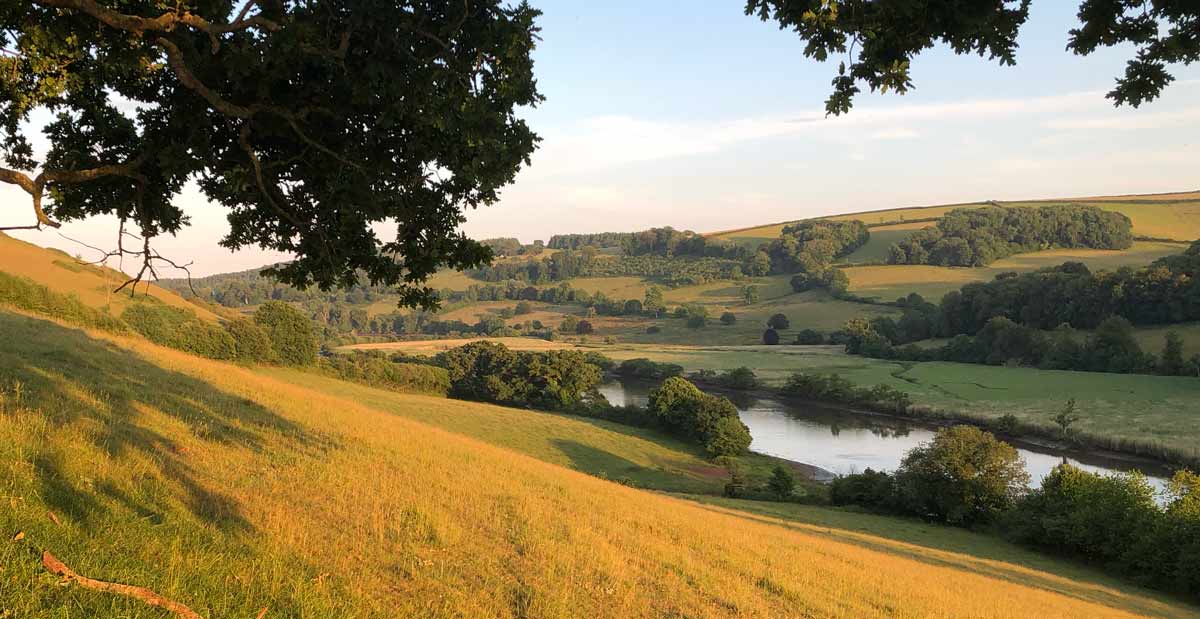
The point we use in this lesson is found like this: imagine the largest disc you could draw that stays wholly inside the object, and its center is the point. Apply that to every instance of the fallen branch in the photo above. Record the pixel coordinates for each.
(153, 599)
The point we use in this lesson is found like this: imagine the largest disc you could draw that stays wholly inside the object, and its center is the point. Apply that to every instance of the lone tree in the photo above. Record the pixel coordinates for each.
(1066, 418)
(782, 484)
(314, 122)
(880, 39)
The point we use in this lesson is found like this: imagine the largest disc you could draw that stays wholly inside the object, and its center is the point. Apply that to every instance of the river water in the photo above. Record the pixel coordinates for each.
(843, 442)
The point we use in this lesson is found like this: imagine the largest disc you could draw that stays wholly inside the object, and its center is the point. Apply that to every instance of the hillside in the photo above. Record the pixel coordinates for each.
(92, 284)
(308, 503)
(232, 489)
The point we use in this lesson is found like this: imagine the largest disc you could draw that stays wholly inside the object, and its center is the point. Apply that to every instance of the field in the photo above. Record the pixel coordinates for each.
(232, 491)
(887, 282)
(1164, 216)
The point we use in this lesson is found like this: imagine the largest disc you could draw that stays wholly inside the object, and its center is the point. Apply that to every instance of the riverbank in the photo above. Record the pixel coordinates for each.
(1086, 448)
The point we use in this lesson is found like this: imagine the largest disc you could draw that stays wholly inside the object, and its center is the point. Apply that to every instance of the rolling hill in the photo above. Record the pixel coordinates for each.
(236, 489)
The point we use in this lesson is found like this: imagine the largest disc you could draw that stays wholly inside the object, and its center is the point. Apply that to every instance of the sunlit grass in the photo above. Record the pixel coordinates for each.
(232, 491)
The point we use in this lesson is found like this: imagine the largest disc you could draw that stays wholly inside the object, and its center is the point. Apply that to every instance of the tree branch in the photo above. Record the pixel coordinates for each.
(54, 566)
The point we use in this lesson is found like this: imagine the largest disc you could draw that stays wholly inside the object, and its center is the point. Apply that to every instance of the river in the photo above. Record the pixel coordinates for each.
(844, 442)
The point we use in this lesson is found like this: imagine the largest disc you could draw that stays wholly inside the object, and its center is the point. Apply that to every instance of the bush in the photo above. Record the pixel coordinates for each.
(652, 329)
(377, 370)
(770, 337)
(964, 476)
(490, 372)
(584, 327)
(251, 342)
(685, 410)
(291, 332)
(524, 307)
(696, 322)
(728, 437)
(645, 368)
(809, 337)
(871, 489)
(738, 378)
(782, 484)
(728, 318)
(778, 322)
(180, 329)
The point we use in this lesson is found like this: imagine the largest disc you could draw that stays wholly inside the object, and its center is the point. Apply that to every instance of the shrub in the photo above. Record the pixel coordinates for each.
(251, 342)
(652, 329)
(782, 484)
(963, 476)
(778, 322)
(645, 368)
(728, 318)
(872, 489)
(180, 329)
(696, 322)
(291, 332)
(524, 307)
(584, 327)
(377, 370)
(770, 337)
(685, 410)
(809, 337)
(738, 378)
(728, 437)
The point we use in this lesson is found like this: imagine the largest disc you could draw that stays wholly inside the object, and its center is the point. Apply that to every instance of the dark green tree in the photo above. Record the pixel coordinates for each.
(778, 321)
(1172, 357)
(291, 332)
(770, 337)
(728, 318)
(963, 476)
(782, 484)
(310, 121)
(252, 342)
(881, 39)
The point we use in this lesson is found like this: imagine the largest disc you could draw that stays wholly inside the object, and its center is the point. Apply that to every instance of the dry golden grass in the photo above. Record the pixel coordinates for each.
(62, 273)
(271, 494)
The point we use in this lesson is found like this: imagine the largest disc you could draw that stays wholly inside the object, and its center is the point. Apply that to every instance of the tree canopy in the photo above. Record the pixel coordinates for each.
(314, 122)
(881, 39)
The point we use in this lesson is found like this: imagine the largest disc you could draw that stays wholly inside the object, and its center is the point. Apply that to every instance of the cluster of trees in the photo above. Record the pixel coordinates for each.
(669, 242)
(646, 369)
(248, 288)
(1112, 347)
(966, 477)
(490, 372)
(278, 333)
(598, 240)
(685, 410)
(378, 370)
(1164, 292)
(740, 378)
(836, 389)
(812, 246)
(675, 270)
(509, 246)
(979, 236)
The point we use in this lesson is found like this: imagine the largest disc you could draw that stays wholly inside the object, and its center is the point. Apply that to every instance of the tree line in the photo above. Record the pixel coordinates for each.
(975, 237)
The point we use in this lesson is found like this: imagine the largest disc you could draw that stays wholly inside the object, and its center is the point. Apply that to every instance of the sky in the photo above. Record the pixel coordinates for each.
(705, 119)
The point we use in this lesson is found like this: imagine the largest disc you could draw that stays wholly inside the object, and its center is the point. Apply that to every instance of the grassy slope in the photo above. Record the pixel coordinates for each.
(232, 491)
(62, 273)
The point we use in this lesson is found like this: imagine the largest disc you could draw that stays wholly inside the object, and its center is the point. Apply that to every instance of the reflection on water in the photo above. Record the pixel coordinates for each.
(842, 442)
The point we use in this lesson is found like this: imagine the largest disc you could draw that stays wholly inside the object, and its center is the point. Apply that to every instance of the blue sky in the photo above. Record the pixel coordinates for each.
(705, 119)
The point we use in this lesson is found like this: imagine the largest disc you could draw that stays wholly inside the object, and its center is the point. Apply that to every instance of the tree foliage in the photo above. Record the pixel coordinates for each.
(979, 236)
(881, 39)
(713, 420)
(291, 332)
(310, 121)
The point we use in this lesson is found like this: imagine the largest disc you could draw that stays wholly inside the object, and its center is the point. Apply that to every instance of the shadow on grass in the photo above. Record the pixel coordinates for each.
(594, 461)
(72, 379)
